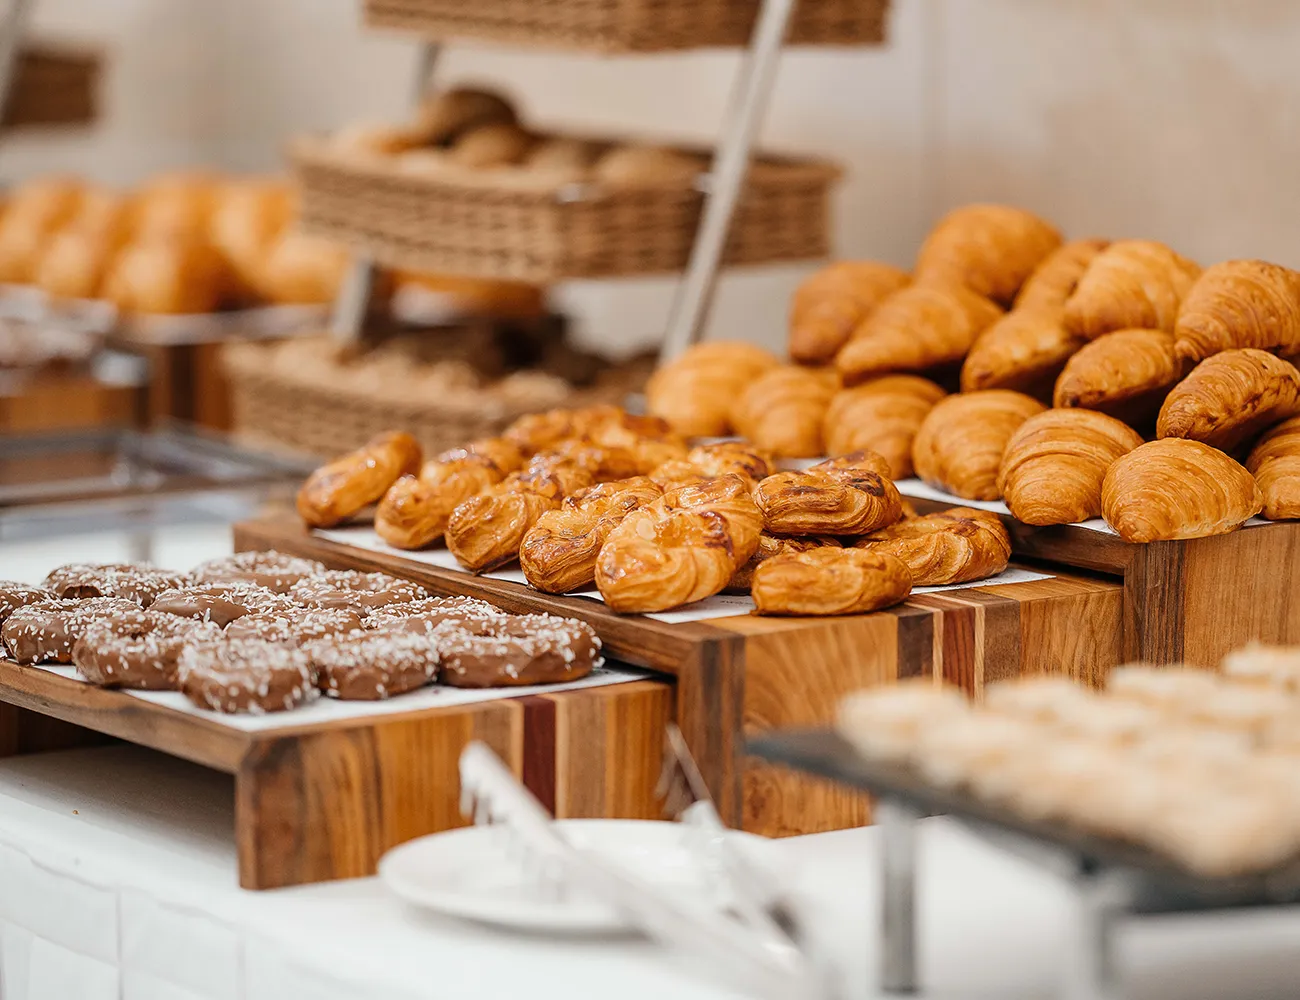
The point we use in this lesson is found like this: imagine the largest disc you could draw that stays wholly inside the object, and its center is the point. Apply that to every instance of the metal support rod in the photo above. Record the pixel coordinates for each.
(12, 30)
(1091, 973)
(897, 896)
(749, 101)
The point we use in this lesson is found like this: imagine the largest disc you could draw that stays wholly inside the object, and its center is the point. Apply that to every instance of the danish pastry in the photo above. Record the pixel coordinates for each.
(1275, 464)
(1132, 284)
(536, 432)
(681, 548)
(709, 461)
(851, 495)
(1125, 374)
(953, 546)
(517, 650)
(1055, 279)
(1052, 470)
(138, 649)
(344, 487)
(782, 411)
(923, 326)
(246, 675)
(826, 581)
(1024, 351)
(1177, 488)
(774, 545)
(631, 446)
(959, 445)
(834, 302)
(990, 249)
(695, 392)
(1240, 303)
(1230, 397)
(881, 416)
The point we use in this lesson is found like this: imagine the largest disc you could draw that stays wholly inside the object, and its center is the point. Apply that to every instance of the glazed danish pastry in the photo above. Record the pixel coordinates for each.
(774, 545)
(1275, 464)
(336, 491)
(827, 581)
(1125, 374)
(851, 495)
(782, 411)
(960, 443)
(1132, 284)
(881, 416)
(990, 249)
(1240, 303)
(832, 303)
(537, 432)
(953, 546)
(709, 461)
(1230, 397)
(695, 392)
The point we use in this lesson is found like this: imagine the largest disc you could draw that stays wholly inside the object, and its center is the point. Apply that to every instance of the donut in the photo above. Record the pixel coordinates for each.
(372, 665)
(351, 589)
(46, 631)
(15, 595)
(138, 649)
(246, 675)
(220, 603)
(140, 584)
(422, 617)
(272, 570)
(516, 650)
(296, 625)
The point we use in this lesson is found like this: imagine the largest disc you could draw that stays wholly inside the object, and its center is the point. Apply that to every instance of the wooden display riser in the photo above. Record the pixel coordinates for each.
(68, 402)
(325, 800)
(742, 675)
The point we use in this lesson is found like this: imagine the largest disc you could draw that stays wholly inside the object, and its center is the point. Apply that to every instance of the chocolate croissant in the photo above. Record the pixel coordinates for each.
(774, 545)
(881, 416)
(960, 443)
(954, 546)
(695, 392)
(1231, 397)
(709, 461)
(827, 581)
(1055, 462)
(1132, 284)
(1126, 374)
(923, 326)
(1240, 303)
(1056, 278)
(782, 411)
(990, 249)
(1275, 464)
(1177, 488)
(852, 495)
(834, 302)
(1025, 351)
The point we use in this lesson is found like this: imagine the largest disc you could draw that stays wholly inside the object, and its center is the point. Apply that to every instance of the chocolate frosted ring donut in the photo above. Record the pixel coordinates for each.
(140, 584)
(273, 570)
(46, 631)
(373, 665)
(14, 595)
(138, 649)
(296, 625)
(245, 675)
(350, 589)
(422, 617)
(517, 650)
(220, 603)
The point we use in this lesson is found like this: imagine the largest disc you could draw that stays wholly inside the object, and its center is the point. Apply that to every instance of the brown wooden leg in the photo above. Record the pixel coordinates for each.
(1153, 605)
(24, 732)
(710, 714)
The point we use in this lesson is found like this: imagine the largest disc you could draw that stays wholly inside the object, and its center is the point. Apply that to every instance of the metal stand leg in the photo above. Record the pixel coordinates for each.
(12, 30)
(1092, 973)
(749, 101)
(897, 897)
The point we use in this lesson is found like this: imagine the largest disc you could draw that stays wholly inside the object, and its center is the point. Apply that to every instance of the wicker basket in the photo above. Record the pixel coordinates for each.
(627, 25)
(53, 86)
(499, 224)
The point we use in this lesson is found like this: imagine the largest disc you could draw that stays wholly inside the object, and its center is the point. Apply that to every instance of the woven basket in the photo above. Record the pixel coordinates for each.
(627, 25)
(500, 225)
(53, 86)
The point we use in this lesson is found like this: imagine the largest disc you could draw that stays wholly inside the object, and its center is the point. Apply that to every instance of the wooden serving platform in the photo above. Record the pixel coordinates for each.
(743, 675)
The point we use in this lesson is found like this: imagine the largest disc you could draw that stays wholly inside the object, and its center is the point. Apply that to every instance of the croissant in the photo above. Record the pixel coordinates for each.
(1240, 303)
(852, 495)
(881, 416)
(1275, 464)
(336, 491)
(782, 411)
(1177, 488)
(681, 548)
(990, 249)
(954, 546)
(1055, 279)
(1052, 470)
(695, 392)
(1132, 284)
(769, 546)
(1025, 351)
(708, 461)
(831, 304)
(918, 328)
(826, 581)
(1126, 374)
(558, 555)
(959, 445)
(1230, 397)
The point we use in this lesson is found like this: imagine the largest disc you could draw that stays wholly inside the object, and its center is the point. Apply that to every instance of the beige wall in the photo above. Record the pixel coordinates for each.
(1177, 119)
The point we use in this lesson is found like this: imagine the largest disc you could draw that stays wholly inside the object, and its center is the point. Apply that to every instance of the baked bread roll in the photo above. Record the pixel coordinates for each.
(880, 416)
(1240, 303)
(990, 249)
(1056, 278)
(1230, 397)
(782, 411)
(37, 210)
(1126, 374)
(1275, 464)
(834, 302)
(564, 158)
(1055, 462)
(1025, 351)
(681, 548)
(368, 140)
(959, 445)
(443, 116)
(648, 166)
(695, 392)
(852, 495)
(249, 217)
(166, 276)
(920, 327)
(298, 269)
(953, 546)
(496, 145)
(1132, 284)
(1177, 489)
(827, 581)
(774, 545)
(709, 461)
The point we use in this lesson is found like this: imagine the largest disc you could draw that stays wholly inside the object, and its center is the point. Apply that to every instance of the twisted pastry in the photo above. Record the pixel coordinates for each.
(954, 546)
(1177, 488)
(1230, 397)
(852, 495)
(1275, 464)
(1132, 284)
(773, 545)
(1055, 462)
(990, 249)
(831, 304)
(1055, 279)
(1125, 374)
(336, 491)
(694, 393)
(826, 581)
(1024, 351)
(631, 446)
(960, 443)
(881, 416)
(538, 432)
(709, 461)
(783, 409)
(1240, 303)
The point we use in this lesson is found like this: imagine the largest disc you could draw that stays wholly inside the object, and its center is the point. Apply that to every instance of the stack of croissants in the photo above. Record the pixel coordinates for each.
(1097, 378)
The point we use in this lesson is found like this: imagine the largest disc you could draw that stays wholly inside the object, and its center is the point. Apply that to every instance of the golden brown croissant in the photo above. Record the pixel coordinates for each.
(921, 327)
(1177, 489)
(1275, 464)
(1126, 374)
(832, 303)
(708, 461)
(774, 545)
(558, 555)
(1132, 284)
(953, 546)
(826, 581)
(695, 392)
(336, 491)
(783, 409)
(960, 443)
(1025, 351)
(852, 495)
(681, 548)
(990, 249)
(1052, 470)
(1230, 397)
(881, 416)
(1055, 279)
(1240, 303)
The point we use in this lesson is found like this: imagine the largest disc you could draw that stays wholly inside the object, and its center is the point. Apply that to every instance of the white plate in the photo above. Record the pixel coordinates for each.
(472, 874)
